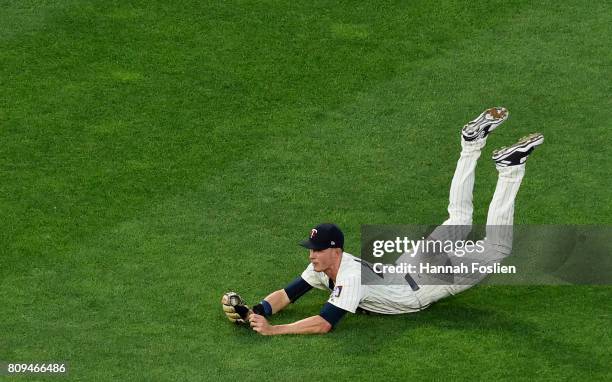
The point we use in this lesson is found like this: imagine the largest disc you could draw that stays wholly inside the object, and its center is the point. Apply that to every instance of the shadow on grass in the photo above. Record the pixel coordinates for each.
(459, 318)
(360, 334)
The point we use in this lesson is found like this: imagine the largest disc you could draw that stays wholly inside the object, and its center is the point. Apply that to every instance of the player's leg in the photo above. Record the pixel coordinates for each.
(473, 139)
(510, 164)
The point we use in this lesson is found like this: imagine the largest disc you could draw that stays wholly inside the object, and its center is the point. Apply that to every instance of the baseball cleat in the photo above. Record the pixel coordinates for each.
(518, 152)
(486, 122)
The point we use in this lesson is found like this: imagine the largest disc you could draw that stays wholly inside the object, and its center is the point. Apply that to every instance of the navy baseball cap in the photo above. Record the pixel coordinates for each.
(324, 236)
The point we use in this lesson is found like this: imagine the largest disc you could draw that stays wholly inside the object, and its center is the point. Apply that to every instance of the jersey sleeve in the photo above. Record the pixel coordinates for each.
(347, 294)
(297, 289)
(332, 314)
(313, 278)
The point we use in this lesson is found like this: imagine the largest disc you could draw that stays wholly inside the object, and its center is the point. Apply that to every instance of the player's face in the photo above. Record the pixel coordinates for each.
(322, 260)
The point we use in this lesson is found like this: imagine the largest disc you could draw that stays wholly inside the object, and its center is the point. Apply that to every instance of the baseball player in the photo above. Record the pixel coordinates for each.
(340, 273)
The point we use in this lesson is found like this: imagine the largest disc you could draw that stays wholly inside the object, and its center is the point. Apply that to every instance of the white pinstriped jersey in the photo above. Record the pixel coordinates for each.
(349, 293)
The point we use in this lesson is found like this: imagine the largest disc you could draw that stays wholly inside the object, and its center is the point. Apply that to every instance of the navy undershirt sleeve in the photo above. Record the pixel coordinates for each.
(297, 288)
(332, 314)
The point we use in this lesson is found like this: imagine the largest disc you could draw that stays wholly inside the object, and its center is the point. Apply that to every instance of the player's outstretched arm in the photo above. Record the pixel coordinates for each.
(278, 300)
(322, 323)
(310, 325)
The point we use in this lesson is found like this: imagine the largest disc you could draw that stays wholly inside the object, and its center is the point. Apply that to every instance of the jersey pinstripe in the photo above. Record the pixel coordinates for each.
(349, 294)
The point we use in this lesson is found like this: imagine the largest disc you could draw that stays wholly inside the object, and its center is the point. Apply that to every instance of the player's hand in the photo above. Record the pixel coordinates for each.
(234, 308)
(261, 325)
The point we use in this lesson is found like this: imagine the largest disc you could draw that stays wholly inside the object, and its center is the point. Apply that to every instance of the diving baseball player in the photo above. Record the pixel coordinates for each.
(340, 273)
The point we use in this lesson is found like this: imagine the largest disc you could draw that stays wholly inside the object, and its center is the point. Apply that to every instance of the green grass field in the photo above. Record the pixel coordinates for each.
(156, 154)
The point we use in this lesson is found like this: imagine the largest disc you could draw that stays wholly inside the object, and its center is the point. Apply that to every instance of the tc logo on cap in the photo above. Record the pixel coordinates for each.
(324, 236)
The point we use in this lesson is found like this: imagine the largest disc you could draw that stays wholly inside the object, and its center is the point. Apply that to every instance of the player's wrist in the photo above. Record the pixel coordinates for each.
(263, 308)
(278, 329)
